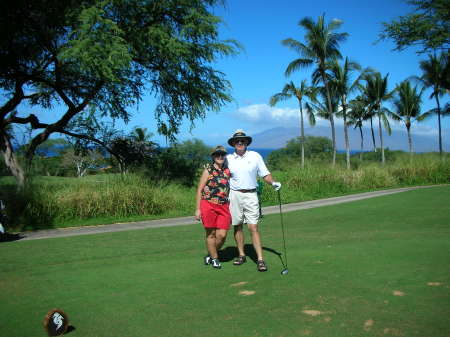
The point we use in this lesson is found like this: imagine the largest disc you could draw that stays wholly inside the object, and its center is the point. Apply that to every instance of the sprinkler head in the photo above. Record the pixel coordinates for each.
(285, 271)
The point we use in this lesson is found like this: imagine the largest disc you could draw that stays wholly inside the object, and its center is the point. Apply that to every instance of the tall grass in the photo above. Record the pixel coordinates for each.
(48, 202)
(55, 202)
(321, 180)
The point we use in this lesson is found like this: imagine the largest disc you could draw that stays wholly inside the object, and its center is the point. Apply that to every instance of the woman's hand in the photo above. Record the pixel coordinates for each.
(197, 214)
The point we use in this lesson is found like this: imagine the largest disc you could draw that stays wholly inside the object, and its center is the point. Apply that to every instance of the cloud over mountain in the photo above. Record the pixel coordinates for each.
(281, 124)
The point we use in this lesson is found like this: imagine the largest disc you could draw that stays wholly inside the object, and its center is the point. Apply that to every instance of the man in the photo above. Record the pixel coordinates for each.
(245, 166)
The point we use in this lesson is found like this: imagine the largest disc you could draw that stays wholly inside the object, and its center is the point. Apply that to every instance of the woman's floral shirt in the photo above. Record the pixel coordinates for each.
(217, 186)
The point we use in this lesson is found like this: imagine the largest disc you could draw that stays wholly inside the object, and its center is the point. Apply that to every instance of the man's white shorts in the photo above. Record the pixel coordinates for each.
(244, 208)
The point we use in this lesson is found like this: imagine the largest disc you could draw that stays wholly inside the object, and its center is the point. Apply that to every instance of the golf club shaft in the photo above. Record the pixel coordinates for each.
(282, 230)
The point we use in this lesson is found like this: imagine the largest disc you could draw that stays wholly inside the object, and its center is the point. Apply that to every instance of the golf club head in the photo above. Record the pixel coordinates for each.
(285, 271)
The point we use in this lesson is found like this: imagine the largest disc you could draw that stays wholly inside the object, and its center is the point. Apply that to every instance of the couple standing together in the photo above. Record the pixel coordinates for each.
(227, 194)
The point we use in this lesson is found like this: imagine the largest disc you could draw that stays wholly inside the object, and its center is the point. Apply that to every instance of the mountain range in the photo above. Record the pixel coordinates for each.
(275, 138)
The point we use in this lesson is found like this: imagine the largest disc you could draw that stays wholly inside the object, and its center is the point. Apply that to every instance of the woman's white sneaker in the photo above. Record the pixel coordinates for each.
(216, 264)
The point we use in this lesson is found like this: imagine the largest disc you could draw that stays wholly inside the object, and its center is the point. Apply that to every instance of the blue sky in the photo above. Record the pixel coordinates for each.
(258, 72)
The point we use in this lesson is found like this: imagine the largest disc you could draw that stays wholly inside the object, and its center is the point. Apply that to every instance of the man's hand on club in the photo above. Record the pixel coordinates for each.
(276, 185)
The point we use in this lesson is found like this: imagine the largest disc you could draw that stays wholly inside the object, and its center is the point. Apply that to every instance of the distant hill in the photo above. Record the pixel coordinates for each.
(276, 138)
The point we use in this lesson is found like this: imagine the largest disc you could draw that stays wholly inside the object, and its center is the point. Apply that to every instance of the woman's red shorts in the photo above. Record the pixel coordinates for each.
(215, 215)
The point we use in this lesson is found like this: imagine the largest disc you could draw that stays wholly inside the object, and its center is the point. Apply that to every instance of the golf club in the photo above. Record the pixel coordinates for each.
(285, 270)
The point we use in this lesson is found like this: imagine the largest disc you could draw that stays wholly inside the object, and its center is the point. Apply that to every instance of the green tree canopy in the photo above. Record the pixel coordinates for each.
(104, 56)
(315, 147)
(427, 27)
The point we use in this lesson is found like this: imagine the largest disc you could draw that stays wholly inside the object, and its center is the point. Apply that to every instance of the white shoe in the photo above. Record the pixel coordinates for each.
(216, 264)
(207, 259)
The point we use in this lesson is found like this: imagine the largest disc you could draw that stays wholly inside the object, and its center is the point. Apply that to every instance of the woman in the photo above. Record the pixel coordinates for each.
(212, 204)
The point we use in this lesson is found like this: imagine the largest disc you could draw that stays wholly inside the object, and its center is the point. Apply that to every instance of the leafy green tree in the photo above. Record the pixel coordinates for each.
(105, 55)
(435, 73)
(377, 94)
(129, 152)
(301, 92)
(427, 27)
(322, 46)
(407, 104)
(315, 148)
(180, 162)
(82, 161)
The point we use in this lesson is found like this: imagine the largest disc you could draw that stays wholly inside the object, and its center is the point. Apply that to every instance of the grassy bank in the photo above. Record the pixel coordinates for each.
(60, 202)
(354, 270)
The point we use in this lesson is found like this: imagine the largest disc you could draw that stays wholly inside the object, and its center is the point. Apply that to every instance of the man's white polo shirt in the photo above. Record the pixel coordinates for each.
(245, 169)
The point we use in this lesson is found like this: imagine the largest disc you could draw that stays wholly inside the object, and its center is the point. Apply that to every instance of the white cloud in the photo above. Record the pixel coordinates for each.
(263, 114)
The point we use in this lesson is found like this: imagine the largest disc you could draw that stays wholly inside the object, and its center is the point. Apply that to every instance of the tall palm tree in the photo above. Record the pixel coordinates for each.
(407, 104)
(435, 75)
(342, 78)
(358, 114)
(289, 91)
(141, 135)
(369, 113)
(320, 105)
(377, 94)
(322, 45)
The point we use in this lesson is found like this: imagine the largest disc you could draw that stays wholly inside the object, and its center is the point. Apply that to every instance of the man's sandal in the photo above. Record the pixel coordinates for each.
(261, 265)
(240, 260)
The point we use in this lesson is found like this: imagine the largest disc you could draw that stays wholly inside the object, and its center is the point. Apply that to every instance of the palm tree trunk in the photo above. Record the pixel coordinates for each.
(347, 145)
(373, 135)
(333, 136)
(11, 161)
(439, 124)
(302, 135)
(362, 143)
(408, 129)
(381, 140)
(330, 111)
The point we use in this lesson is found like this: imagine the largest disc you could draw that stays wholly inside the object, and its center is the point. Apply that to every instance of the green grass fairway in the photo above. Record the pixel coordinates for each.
(378, 267)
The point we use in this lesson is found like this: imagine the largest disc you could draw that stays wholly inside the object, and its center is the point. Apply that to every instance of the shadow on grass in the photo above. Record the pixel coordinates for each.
(70, 328)
(7, 237)
(230, 253)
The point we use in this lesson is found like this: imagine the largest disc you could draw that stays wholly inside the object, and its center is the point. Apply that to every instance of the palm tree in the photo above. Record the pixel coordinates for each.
(377, 93)
(358, 114)
(369, 114)
(320, 106)
(407, 108)
(289, 91)
(342, 79)
(322, 45)
(435, 75)
(141, 135)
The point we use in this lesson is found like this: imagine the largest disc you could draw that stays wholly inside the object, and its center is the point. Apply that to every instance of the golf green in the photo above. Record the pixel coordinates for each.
(376, 267)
